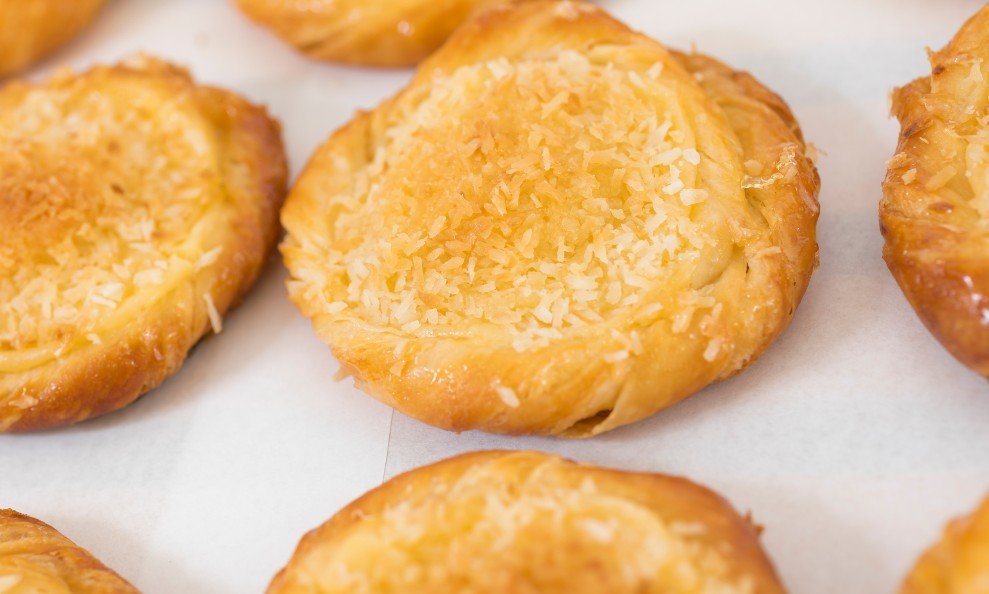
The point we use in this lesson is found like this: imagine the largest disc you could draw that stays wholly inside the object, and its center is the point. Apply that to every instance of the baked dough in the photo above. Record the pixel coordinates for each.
(365, 32)
(959, 564)
(135, 209)
(935, 214)
(31, 29)
(528, 523)
(36, 559)
(559, 227)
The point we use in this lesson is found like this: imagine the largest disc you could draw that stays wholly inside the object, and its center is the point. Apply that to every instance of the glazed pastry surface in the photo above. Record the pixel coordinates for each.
(959, 563)
(559, 227)
(36, 559)
(528, 523)
(365, 32)
(135, 208)
(935, 213)
(31, 29)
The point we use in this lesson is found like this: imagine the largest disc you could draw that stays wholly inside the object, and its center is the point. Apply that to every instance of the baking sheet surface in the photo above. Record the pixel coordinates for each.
(852, 440)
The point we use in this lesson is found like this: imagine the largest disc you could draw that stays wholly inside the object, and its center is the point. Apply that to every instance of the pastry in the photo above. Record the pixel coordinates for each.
(36, 559)
(959, 564)
(31, 29)
(935, 212)
(529, 523)
(135, 208)
(559, 227)
(365, 32)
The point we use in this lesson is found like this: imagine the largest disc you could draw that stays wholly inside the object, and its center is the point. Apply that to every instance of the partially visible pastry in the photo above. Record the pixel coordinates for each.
(530, 523)
(935, 213)
(31, 29)
(136, 207)
(959, 563)
(559, 227)
(36, 559)
(365, 32)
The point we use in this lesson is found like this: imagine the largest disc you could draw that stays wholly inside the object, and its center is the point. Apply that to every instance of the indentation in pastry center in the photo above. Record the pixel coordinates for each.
(537, 196)
(490, 533)
(97, 190)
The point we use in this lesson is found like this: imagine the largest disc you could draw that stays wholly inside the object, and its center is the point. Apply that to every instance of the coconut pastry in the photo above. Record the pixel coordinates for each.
(525, 522)
(32, 29)
(388, 33)
(36, 559)
(135, 208)
(559, 227)
(959, 563)
(935, 213)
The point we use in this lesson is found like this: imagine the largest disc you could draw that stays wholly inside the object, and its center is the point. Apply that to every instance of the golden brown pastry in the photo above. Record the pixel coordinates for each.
(36, 559)
(935, 214)
(559, 227)
(959, 564)
(365, 32)
(529, 523)
(31, 29)
(135, 208)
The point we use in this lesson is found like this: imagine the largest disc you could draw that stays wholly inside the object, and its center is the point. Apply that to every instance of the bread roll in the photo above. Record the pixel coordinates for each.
(136, 207)
(559, 227)
(36, 559)
(530, 523)
(936, 205)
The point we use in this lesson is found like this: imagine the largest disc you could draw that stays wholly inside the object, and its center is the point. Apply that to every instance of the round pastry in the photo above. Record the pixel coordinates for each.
(935, 212)
(135, 208)
(31, 29)
(959, 564)
(525, 522)
(559, 227)
(365, 32)
(36, 559)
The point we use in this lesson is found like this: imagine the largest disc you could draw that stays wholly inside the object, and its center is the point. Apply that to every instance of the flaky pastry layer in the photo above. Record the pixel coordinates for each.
(528, 523)
(31, 29)
(959, 563)
(559, 227)
(935, 212)
(36, 559)
(389, 33)
(135, 208)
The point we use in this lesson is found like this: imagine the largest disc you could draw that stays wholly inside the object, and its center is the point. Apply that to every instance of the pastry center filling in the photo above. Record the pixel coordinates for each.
(482, 534)
(536, 196)
(99, 190)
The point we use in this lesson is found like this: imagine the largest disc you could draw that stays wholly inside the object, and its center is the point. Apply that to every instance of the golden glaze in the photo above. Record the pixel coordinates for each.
(135, 209)
(959, 563)
(36, 559)
(530, 523)
(539, 158)
(365, 32)
(31, 29)
(935, 213)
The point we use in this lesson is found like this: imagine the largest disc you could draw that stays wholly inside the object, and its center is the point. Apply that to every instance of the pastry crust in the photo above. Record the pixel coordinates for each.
(935, 213)
(959, 563)
(135, 208)
(526, 523)
(569, 229)
(36, 559)
(31, 29)
(386, 33)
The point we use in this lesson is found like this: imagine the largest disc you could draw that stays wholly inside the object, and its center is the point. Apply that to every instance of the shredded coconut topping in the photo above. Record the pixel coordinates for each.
(486, 532)
(537, 196)
(96, 200)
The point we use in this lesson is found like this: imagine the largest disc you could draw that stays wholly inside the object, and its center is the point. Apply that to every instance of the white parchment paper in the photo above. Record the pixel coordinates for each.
(852, 441)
